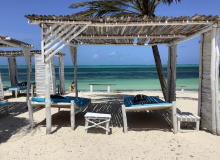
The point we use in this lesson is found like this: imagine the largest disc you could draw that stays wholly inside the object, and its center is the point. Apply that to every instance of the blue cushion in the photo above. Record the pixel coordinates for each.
(128, 101)
(2, 104)
(37, 99)
(81, 102)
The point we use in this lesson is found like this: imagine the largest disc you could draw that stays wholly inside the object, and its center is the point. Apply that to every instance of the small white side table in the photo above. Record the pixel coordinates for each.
(97, 120)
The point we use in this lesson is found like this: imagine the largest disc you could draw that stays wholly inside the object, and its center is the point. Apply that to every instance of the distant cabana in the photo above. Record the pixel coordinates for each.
(9, 43)
(60, 31)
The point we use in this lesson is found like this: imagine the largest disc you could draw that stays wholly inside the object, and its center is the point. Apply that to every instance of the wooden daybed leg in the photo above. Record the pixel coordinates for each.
(72, 115)
(30, 111)
(174, 118)
(125, 125)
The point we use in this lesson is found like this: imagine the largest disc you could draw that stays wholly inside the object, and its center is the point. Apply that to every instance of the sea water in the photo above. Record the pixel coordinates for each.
(122, 78)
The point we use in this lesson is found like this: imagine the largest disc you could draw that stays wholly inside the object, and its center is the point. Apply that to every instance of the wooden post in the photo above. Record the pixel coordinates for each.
(30, 111)
(171, 82)
(216, 88)
(91, 88)
(13, 70)
(209, 79)
(108, 88)
(74, 59)
(29, 71)
(52, 75)
(61, 74)
(72, 115)
(174, 118)
(47, 98)
(124, 116)
(160, 73)
(47, 82)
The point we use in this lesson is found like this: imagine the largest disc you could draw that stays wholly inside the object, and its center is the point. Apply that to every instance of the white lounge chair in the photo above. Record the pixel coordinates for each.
(156, 104)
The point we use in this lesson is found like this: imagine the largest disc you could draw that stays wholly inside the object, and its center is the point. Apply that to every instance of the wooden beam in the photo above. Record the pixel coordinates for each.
(116, 44)
(129, 37)
(171, 82)
(121, 24)
(196, 34)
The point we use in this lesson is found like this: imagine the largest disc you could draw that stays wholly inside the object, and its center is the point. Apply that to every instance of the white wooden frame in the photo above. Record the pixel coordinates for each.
(172, 108)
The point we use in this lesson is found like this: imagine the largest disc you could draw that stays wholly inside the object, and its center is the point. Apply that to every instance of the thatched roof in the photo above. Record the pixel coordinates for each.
(20, 53)
(127, 30)
(6, 42)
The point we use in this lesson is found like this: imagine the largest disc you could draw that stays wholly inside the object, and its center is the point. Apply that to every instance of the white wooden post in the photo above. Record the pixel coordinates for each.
(209, 79)
(30, 111)
(47, 81)
(124, 116)
(29, 71)
(47, 98)
(91, 88)
(171, 82)
(52, 75)
(72, 115)
(109, 88)
(74, 59)
(174, 117)
(61, 74)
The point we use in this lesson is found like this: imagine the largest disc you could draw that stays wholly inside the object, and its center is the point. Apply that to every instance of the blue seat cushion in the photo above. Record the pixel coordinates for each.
(129, 101)
(81, 102)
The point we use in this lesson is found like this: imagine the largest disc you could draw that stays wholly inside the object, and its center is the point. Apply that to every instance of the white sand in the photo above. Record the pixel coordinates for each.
(149, 136)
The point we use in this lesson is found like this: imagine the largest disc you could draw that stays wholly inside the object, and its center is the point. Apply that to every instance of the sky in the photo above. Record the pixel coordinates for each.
(14, 24)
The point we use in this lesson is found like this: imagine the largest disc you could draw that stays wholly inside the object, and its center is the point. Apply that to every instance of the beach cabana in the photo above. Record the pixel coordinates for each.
(60, 31)
(10, 43)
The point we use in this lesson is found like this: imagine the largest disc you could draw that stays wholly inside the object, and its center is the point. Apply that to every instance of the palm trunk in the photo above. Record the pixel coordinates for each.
(159, 67)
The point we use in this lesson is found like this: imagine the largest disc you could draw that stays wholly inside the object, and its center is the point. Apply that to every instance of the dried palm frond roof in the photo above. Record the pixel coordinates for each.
(19, 53)
(6, 42)
(123, 30)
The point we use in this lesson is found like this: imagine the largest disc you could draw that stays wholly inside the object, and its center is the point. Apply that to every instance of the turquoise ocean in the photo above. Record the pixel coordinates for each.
(126, 77)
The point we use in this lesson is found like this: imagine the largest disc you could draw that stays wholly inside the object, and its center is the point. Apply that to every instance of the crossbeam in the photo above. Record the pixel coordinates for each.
(131, 37)
(118, 24)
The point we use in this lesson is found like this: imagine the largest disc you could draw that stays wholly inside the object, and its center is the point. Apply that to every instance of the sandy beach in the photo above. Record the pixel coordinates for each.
(149, 136)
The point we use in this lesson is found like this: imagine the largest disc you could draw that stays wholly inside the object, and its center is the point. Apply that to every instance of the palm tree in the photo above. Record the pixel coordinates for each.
(102, 8)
